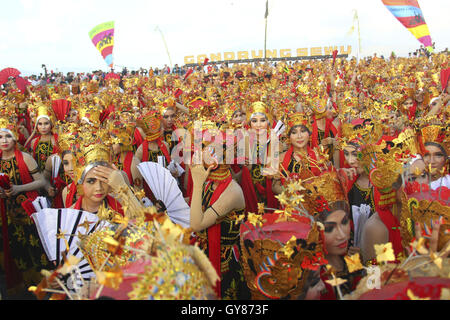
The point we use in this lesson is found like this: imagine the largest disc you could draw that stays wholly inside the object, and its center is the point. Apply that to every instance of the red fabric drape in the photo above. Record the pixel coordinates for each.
(214, 233)
(390, 221)
(71, 194)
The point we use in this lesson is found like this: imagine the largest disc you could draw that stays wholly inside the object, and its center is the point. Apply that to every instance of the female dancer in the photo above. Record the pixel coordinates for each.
(42, 146)
(215, 202)
(24, 256)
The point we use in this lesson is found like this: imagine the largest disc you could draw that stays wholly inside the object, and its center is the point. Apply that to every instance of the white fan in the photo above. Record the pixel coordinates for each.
(52, 223)
(360, 216)
(56, 163)
(165, 188)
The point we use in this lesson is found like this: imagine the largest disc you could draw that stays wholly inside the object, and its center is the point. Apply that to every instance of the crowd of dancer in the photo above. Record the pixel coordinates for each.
(300, 179)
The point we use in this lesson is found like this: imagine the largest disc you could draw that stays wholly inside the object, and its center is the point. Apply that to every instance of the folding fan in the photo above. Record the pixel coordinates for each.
(165, 188)
(6, 73)
(59, 228)
(61, 108)
(22, 84)
(360, 216)
(56, 164)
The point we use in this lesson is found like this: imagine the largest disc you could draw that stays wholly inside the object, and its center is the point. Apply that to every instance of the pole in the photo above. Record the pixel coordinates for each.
(165, 44)
(359, 35)
(265, 32)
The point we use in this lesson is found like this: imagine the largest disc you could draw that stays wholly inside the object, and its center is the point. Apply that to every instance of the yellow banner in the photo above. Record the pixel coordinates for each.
(259, 54)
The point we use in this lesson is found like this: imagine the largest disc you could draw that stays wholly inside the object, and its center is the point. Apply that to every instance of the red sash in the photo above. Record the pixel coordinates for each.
(137, 138)
(71, 194)
(390, 221)
(214, 232)
(25, 175)
(248, 188)
(127, 166)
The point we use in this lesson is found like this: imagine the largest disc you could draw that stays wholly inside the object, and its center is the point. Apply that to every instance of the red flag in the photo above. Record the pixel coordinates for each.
(188, 73)
(335, 52)
(205, 61)
(445, 75)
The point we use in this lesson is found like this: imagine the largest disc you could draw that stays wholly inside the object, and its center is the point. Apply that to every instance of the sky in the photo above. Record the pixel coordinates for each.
(55, 32)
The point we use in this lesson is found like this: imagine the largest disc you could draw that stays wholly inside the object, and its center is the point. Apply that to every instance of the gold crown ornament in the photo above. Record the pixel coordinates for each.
(93, 147)
(92, 86)
(7, 125)
(433, 133)
(89, 114)
(151, 124)
(121, 133)
(408, 141)
(259, 107)
(322, 192)
(276, 267)
(299, 119)
(67, 136)
(424, 208)
(319, 105)
(42, 110)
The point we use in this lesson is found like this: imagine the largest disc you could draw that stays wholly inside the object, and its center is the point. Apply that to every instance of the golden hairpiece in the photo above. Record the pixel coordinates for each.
(299, 118)
(275, 270)
(121, 133)
(151, 124)
(259, 107)
(424, 212)
(432, 133)
(8, 124)
(322, 191)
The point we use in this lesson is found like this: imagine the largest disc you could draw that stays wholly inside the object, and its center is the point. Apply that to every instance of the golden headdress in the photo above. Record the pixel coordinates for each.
(168, 103)
(299, 118)
(319, 105)
(383, 167)
(164, 265)
(151, 124)
(41, 110)
(67, 136)
(94, 147)
(259, 107)
(424, 208)
(322, 192)
(89, 114)
(436, 134)
(121, 133)
(7, 124)
(279, 254)
(92, 86)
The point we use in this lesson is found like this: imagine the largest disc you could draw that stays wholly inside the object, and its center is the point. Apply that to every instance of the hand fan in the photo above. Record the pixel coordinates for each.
(59, 228)
(165, 188)
(61, 108)
(360, 216)
(56, 163)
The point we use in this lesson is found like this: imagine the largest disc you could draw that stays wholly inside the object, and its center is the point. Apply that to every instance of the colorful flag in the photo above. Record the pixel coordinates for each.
(410, 15)
(102, 37)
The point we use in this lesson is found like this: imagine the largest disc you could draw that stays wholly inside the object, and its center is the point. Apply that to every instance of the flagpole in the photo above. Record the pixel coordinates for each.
(359, 36)
(165, 44)
(265, 32)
